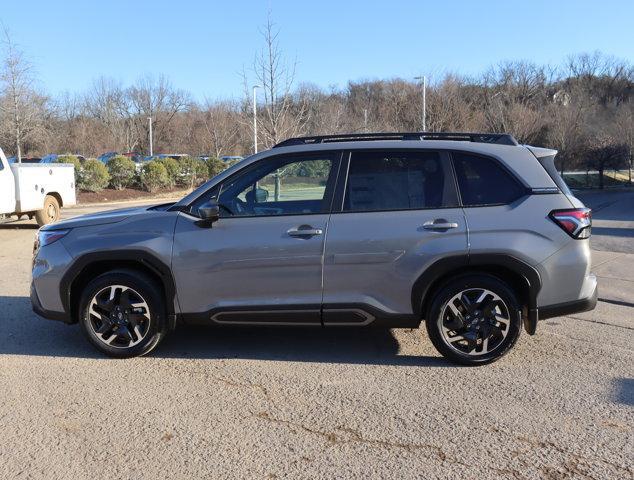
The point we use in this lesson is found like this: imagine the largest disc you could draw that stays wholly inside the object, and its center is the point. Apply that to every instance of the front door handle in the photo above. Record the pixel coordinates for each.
(439, 224)
(304, 231)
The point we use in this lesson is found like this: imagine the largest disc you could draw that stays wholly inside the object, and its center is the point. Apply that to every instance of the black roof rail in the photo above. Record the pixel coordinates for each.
(499, 138)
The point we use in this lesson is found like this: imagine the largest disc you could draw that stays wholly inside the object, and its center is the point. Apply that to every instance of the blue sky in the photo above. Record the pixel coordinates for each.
(202, 46)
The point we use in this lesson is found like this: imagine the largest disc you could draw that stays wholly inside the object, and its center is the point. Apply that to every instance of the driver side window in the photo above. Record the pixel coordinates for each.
(287, 185)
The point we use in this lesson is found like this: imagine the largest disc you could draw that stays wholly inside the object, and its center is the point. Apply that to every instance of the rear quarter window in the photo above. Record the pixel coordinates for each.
(482, 181)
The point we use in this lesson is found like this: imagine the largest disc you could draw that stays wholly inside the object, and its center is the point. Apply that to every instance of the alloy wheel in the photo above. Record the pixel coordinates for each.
(474, 322)
(119, 316)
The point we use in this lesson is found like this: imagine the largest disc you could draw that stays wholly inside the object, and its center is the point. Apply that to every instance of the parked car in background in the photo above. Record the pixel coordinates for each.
(473, 235)
(134, 156)
(36, 190)
(52, 157)
(24, 159)
(231, 158)
(157, 156)
(104, 157)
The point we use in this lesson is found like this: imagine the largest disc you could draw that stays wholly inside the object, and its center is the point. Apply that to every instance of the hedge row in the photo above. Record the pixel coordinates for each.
(121, 172)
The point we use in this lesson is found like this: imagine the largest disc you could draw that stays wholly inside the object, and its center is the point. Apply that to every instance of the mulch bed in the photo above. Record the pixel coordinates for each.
(109, 195)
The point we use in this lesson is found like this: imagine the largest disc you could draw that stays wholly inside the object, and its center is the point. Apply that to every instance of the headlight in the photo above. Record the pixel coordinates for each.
(46, 237)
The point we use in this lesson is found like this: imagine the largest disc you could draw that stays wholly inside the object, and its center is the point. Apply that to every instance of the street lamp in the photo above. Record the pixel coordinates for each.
(255, 118)
(151, 146)
(424, 79)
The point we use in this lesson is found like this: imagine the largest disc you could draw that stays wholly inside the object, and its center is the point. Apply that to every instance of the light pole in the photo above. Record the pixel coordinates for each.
(151, 140)
(255, 118)
(424, 79)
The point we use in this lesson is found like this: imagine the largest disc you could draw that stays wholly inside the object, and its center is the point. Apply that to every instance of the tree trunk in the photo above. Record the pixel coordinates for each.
(601, 178)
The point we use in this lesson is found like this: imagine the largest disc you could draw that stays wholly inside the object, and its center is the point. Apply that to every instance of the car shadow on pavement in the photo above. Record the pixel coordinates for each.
(624, 391)
(24, 333)
(18, 226)
(613, 231)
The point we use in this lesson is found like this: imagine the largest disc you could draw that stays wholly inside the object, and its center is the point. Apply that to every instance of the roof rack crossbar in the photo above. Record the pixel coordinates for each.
(499, 138)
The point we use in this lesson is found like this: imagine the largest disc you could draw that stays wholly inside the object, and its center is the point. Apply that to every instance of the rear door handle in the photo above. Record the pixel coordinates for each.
(439, 224)
(304, 231)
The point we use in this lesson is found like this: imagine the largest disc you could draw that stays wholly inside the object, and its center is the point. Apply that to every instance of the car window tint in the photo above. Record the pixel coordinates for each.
(483, 182)
(396, 181)
(286, 186)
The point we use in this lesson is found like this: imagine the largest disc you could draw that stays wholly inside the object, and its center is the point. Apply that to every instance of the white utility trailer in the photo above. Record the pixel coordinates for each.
(37, 190)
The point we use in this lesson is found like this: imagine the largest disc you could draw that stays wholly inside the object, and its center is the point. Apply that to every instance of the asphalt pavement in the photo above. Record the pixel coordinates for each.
(312, 403)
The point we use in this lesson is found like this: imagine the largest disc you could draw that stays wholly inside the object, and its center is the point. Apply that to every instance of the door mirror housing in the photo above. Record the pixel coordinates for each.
(209, 213)
(261, 195)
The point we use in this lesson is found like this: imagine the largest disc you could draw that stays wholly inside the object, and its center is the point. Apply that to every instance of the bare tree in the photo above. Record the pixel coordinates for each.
(282, 117)
(21, 103)
(154, 98)
(221, 126)
(106, 101)
(624, 128)
(605, 153)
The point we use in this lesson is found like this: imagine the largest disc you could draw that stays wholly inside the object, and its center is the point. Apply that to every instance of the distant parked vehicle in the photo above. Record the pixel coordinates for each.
(104, 157)
(52, 157)
(136, 157)
(231, 158)
(158, 156)
(35, 190)
(24, 159)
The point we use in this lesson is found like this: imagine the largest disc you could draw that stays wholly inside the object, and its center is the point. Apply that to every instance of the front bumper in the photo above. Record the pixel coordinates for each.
(568, 308)
(42, 312)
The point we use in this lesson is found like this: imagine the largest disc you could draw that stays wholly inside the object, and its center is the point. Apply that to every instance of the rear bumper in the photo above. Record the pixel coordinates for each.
(42, 312)
(568, 308)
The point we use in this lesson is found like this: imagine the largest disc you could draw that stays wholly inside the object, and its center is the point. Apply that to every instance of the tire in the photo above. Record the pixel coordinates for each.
(471, 333)
(123, 314)
(50, 213)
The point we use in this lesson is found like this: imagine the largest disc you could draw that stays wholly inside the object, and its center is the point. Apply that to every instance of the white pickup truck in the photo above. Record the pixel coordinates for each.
(36, 190)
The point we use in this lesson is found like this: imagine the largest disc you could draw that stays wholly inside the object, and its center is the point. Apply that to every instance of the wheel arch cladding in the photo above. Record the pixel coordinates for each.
(519, 275)
(91, 265)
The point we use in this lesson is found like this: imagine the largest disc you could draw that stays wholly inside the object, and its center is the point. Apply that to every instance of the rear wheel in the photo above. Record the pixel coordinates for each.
(122, 314)
(474, 320)
(50, 213)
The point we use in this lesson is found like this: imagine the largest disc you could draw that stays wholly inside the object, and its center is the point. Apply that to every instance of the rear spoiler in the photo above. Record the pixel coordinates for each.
(540, 152)
(546, 158)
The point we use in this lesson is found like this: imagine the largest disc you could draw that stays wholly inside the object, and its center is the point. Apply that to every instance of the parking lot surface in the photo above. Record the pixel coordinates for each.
(308, 403)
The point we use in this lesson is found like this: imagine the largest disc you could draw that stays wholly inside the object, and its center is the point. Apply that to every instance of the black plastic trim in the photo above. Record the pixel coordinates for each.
(499, 138)
(303, 314)
(568, 308)
(456, 263)
(48, 314)
(361, 314)
(126, 255)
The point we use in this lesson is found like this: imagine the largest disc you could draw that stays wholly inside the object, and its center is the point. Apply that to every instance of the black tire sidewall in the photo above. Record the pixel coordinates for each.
(150, 293)
(452, 288)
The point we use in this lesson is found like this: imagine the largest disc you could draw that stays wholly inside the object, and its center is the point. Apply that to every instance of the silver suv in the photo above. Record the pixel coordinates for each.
(472, 233)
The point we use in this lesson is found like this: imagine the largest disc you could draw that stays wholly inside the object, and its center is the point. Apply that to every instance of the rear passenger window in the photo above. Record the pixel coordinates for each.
(483, 182)
(398, 181)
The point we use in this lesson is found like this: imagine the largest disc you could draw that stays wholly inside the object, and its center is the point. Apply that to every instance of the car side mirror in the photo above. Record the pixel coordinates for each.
(209, 213)
(261, 195)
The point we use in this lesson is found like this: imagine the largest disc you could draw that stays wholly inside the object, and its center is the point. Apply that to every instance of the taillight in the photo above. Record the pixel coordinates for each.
(576, 222)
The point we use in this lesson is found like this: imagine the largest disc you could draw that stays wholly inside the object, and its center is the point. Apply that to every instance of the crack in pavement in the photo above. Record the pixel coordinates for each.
(346, 435)
(599, 322)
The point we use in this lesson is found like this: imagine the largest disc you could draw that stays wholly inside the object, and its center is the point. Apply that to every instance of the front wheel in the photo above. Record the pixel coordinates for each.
(50, 213)
(474, 320)
(122, 314)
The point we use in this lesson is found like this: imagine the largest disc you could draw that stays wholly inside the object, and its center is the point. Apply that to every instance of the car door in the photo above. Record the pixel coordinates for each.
(261, 262)
(394, 215)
